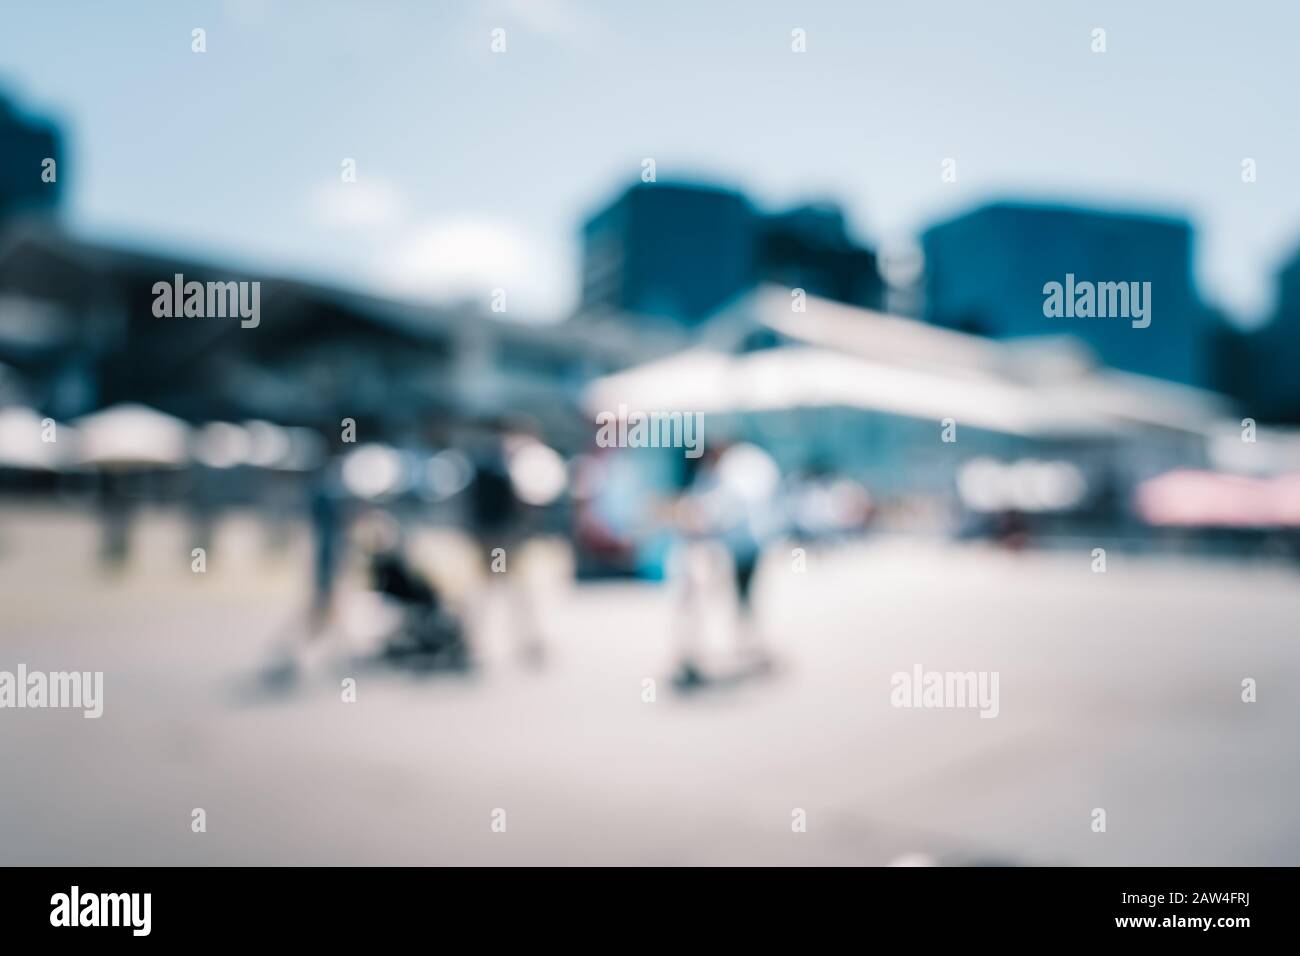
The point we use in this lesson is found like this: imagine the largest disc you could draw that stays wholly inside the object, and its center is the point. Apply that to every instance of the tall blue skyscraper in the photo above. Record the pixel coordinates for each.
(1267, 360)
(27, 182)
(986, 272)
(682, 251)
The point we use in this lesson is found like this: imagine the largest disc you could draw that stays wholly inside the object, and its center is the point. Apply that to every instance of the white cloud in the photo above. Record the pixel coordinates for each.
(467, 257)
(560, 20)
(368, 203)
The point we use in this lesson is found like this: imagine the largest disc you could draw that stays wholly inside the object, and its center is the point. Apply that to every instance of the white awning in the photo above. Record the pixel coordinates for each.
(797, 377)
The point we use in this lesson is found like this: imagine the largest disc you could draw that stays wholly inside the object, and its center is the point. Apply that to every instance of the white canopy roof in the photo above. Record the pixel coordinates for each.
(800, 377)
(1033, 385)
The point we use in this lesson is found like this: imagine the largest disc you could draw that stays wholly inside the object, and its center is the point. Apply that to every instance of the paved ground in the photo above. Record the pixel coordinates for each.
(1117, 690)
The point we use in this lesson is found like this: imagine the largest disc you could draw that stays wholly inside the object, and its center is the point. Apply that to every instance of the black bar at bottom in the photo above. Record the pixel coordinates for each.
(657, 906)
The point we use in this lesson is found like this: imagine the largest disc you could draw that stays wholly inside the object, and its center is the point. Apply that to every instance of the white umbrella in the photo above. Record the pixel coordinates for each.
(25, 442)
(131, 435)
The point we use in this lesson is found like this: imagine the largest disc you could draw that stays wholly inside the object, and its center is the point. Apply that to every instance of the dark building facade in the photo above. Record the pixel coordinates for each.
(810, 248)
(683, 251)
(27, 183)
(669, 250)
(986, 273)
(1264, 370)
(79, 332)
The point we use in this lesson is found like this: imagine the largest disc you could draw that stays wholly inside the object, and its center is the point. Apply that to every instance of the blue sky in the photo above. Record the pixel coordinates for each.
(475, 169)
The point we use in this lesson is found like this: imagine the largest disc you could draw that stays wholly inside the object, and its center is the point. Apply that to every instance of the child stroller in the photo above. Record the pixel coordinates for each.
(429, 637)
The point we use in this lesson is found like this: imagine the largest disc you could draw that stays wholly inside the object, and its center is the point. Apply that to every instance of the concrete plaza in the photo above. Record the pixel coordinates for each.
(1119, 691)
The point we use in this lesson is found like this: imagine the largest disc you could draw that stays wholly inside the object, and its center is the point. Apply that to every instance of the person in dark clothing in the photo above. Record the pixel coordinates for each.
(727, 507)
(743, 567)
(500, 523)
(494, 508)
(117, 514)
(326, 522)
